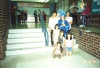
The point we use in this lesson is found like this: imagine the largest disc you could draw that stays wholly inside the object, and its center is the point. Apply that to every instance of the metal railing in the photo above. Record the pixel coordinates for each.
(80, 32)
(44, 30)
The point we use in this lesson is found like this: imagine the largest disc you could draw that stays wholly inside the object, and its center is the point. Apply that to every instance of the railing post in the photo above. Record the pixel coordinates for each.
(44, 30)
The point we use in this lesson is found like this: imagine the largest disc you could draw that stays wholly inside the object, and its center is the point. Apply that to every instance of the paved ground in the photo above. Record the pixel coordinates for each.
(79, 59)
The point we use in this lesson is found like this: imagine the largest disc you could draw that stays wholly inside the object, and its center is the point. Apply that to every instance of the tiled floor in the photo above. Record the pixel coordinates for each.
(79, 59)
(38, 25)
(26, 25)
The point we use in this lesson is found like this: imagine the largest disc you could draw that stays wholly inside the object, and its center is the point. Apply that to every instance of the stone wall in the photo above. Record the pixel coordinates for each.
(4, 25)
(89, 42)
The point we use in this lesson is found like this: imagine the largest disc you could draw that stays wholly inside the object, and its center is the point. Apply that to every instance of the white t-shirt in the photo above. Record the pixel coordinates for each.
(69, 43)
(56, 33)
(53, 22)
(69, 19)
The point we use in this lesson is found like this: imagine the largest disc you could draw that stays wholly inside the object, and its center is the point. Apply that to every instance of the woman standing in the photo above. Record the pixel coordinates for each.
(53, 20)
(69, 19)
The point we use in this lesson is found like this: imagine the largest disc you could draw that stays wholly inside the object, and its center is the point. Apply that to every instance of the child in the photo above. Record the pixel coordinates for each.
(56, 34)
(61, 40)
(69, 44)
(57, 51)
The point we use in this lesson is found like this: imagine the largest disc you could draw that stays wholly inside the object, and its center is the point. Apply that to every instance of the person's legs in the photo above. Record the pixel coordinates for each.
(66, 51)
(83, 20)
(36, 20)
(39, 18)
(52, 37)
(54, 50)
(70, 51)
(13, 19)
(24, 20)
(76, 18)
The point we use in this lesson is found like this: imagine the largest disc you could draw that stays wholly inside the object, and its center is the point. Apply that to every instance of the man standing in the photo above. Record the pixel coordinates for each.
(13, 14)
(35, 15)
(39, 12)
(73, 10)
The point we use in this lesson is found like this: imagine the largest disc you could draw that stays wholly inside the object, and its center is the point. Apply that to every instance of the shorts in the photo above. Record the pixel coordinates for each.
(69, 49)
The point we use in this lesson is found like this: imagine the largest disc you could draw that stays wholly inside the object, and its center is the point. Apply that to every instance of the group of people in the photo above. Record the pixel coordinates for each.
(37, 16)
(60, 29)
(22, 16)
(85, 9)
(61, 38)
(18, 16)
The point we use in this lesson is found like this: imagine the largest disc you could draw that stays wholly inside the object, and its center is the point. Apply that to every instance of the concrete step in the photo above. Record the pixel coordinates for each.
(26, 46)
(29, 46)
(28, 51)
(25, 35)
(24, 40)
(25, 30)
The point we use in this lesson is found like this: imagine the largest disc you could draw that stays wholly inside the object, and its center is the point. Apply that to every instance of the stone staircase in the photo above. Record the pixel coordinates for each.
(25, 41)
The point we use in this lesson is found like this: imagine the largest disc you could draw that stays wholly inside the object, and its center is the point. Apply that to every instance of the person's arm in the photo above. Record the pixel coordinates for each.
(71, 21)
(64, 43)
(72, 44)
(53, 35)
(59, 36)
(59, 23)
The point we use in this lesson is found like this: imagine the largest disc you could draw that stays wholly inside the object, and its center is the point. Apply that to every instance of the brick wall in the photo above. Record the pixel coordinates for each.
(89, 42)
(4, 25)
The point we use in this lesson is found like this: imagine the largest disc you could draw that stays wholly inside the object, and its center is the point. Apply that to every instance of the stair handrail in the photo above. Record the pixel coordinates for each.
(80, 32)
(44, 30)
(76, 26)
